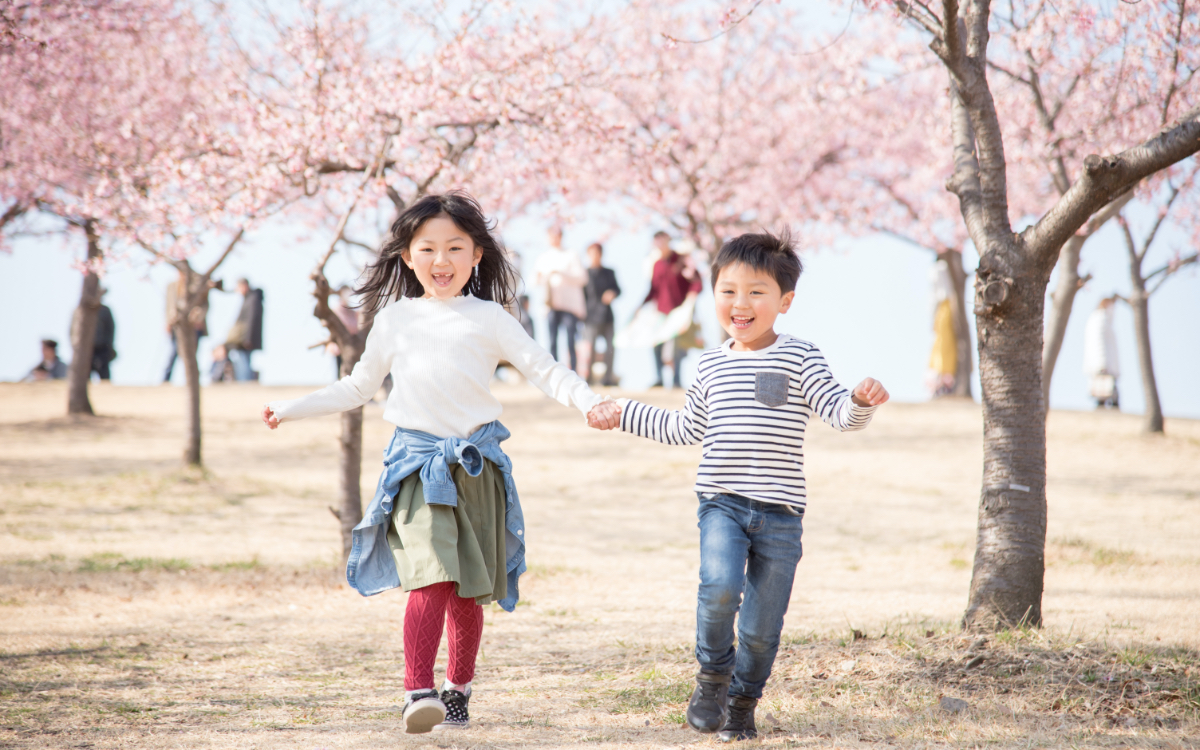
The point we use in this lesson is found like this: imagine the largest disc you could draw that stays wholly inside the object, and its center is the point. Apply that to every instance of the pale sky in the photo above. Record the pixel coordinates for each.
(867, 306)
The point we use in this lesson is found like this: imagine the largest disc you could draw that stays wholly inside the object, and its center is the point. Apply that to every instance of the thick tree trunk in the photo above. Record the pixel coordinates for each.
(186, 337)
(962, 336)
(1139, 302)
(83, 331)
(1006, 583)
(1062, 300)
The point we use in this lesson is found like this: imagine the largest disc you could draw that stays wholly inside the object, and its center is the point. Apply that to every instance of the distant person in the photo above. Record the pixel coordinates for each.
(51, 367)
(1101, 364)
(198, 315)
(245, 337)
(943, 359)
(673, 281)
(561, 272)
(753, 398)
(445, 523)
(601, 290)
(103, 350)
(222, 368)
(341, 305)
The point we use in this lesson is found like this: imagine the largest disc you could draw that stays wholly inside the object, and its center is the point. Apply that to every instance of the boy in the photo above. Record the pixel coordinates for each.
(749, 406)
(601, 290)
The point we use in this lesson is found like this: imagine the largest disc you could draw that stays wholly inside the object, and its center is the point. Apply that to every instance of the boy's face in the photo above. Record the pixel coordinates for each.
(748, 301)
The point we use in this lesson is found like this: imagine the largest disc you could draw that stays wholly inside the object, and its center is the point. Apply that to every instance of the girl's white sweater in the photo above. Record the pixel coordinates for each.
(442, 355)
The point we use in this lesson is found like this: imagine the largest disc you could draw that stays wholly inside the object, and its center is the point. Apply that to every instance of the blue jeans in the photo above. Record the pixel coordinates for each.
(748, 556)
(241, 364)
(571, 324)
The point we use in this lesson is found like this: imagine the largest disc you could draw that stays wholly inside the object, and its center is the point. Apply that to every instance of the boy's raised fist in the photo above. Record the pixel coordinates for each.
(870, 392)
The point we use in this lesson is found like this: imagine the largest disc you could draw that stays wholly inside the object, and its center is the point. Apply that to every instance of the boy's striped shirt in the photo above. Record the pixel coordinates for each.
(749, 409)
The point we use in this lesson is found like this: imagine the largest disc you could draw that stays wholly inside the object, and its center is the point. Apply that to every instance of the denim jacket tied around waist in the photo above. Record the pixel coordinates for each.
(371, 568)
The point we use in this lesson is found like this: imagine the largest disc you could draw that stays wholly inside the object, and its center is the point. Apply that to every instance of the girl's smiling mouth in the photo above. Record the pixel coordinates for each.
(443, 279)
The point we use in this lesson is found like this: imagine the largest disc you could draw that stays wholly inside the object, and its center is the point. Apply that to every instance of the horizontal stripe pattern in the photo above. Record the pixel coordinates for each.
(751, 448)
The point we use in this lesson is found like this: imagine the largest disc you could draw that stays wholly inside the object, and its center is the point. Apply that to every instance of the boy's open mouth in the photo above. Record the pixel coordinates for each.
(443, 279)
(741, 322)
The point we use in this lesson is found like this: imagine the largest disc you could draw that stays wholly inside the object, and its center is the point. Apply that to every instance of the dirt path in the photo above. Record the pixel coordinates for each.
(145, 607)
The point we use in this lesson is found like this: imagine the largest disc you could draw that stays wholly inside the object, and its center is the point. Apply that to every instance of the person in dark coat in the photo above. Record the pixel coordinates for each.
(103, 350)
(601, 290)
(246, 335)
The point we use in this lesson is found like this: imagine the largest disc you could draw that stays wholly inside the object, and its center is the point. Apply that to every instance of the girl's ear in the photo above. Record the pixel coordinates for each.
(478, 255)
(407, 258)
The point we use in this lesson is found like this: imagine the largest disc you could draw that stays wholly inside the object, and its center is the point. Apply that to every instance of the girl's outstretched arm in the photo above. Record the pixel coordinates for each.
(350, 392)
(556, 380)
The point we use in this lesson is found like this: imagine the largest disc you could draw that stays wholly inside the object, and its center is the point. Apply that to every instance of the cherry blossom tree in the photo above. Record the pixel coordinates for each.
(1011, 280)
(1073, 79)
(350, 125)
(92, 92)
(720, 135)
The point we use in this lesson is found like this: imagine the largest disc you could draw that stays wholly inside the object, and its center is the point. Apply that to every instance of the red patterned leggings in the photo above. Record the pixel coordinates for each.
(423, 619)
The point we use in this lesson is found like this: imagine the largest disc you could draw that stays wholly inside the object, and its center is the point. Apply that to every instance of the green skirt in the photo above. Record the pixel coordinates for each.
(462, 544)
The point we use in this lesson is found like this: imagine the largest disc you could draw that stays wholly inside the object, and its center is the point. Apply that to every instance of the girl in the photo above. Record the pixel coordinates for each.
(445, 523)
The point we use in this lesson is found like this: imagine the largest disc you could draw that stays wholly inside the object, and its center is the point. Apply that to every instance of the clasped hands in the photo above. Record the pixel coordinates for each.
(605, 415)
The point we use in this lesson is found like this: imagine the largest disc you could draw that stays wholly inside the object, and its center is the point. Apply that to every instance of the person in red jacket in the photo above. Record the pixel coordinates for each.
(673, 282)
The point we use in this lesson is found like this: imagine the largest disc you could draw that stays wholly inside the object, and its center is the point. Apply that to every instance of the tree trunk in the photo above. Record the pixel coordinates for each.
(83, 331)
(185, 335)
(350, 512)
(1139, 302)
(1007, 580)
(1062, 301)
(962, 336)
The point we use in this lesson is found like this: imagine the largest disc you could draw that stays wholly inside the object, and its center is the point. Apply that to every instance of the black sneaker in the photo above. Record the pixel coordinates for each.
(706, 709)
(423, 711)
(740, 724)
(456, 710)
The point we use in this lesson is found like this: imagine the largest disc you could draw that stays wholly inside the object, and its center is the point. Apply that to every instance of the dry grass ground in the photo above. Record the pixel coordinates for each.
(145, 607)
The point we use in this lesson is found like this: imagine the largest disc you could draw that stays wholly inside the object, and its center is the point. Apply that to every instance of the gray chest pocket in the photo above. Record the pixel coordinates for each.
(771, 388)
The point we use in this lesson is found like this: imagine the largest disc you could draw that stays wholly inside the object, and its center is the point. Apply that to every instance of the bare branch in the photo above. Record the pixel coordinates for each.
(228, 249)
(1162, 217)
(927, 20)
(1104, 178)
(1168, 270)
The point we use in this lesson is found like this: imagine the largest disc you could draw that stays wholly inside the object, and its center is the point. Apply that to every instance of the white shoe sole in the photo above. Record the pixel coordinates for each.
(422, 716)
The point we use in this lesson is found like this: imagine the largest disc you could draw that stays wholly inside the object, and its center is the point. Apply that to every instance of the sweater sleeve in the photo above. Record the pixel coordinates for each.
(828, 398)
(683, 427)
(555, 379)
(350, 392)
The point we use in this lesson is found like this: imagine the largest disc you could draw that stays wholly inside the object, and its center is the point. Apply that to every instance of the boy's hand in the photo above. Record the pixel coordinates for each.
(269, 418)
(605, 415)
(870, 392)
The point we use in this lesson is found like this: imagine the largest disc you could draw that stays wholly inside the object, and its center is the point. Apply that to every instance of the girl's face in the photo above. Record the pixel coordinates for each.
(443, 257)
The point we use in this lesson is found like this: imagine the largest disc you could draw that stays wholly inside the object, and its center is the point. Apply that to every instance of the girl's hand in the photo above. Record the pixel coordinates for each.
(269, 418)
(605, 415)
(870, 392)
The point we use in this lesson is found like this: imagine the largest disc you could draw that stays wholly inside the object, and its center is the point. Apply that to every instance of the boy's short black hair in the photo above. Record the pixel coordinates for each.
(763, 252)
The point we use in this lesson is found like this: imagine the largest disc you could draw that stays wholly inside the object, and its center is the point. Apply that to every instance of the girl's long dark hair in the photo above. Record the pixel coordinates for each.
(390, 278)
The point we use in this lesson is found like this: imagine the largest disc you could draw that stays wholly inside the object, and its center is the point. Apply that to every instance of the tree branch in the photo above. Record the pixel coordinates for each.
(15, 210)
(964, 182)
(228, 249)
(1104, 178)
(1168, 270)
